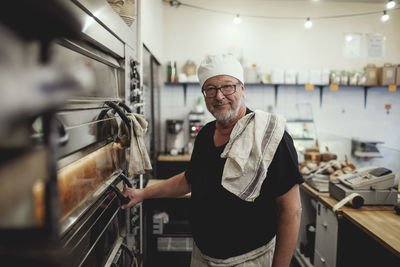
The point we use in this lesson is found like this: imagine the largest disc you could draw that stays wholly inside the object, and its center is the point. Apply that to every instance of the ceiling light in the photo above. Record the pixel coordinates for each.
(385, 16)
(308, 23)
(349, 38)
(390, 4)
(237, 19)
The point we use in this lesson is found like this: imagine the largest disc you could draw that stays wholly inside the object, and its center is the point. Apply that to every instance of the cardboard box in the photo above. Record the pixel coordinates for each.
(398, 81)
(371, 75)
(303, 77)
(290, 76)
(278, 76)
(325, 76)
(387, 74)
(316, 77)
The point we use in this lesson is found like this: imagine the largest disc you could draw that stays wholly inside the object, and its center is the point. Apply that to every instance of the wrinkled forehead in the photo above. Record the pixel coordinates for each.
(219, 80)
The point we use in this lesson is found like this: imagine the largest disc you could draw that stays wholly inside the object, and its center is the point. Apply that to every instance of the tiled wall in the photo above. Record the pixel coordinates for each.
(341, 116)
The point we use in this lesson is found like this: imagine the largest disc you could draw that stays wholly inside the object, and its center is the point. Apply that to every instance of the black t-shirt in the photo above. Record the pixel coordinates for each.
(223, 225)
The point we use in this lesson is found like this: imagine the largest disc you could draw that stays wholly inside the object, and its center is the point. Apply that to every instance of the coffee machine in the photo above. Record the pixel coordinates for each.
(195, 125)
(175, 143)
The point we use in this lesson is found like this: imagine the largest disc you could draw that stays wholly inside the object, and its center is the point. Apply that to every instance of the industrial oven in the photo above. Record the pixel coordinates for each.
(61, 190)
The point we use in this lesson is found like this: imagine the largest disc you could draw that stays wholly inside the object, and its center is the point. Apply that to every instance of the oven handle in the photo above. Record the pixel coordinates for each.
(121, 197)
(125, 106)
(63, 134)
(119, 111)
(126, 180)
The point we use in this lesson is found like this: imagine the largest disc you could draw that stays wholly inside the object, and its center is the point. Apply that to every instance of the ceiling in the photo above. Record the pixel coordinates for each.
(356, 1)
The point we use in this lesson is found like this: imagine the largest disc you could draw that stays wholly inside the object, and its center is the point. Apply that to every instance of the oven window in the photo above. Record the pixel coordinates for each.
(106, 78)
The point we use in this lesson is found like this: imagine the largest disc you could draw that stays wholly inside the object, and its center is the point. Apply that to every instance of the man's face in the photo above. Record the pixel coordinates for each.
(224, 108)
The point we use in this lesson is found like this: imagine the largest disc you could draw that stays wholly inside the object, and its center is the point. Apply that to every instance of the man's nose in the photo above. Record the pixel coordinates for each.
(219, 94)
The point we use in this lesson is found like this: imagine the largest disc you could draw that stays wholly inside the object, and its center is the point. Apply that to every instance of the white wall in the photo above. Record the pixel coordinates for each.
(152, 19)
(192, 34)
(275, 43)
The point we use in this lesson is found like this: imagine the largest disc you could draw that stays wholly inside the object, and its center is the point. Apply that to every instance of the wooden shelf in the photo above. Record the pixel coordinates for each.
(305, 86)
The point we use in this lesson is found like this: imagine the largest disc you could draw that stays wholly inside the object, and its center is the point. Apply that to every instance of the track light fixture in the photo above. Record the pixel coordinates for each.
(174, 3)
(390, 4)
(308, 23)
(385, 16)
(237, 19)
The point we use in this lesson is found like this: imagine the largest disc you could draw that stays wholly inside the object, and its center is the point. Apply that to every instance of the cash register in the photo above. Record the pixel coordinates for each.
(373, 184)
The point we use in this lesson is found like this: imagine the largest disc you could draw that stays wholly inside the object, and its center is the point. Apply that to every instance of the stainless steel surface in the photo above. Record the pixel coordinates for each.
(95, 32)
(76, 104)
(77, 213)
(106, 15)
(85, 128)
(141, 234)
(102, 233)
(19, 178)
(91, 218)
(91, 239)
(106, 78)
(114, 252)
(79, 154)
(130, 55)
(90, 52)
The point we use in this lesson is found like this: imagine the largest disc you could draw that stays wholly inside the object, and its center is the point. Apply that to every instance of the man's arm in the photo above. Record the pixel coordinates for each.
(175, 186)
(289, 215)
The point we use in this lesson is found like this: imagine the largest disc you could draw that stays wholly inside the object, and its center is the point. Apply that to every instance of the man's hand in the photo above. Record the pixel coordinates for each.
(175, 186)
(135, 196)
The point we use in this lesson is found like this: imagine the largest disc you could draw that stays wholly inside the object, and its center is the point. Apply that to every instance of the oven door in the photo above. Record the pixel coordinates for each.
(99, 231)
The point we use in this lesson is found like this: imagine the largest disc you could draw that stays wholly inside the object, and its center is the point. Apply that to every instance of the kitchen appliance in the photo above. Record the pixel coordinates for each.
(374, 185)
(175, 143)
(61, 189)
(195, 125)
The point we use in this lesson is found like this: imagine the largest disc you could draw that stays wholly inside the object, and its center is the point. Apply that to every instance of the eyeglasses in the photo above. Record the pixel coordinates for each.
(226, 90)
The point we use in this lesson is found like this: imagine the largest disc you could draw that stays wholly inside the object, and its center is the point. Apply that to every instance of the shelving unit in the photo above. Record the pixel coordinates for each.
(310, 87)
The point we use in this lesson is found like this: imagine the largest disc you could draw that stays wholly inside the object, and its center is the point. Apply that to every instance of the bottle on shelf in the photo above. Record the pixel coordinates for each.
(175, 73)
(169, 71)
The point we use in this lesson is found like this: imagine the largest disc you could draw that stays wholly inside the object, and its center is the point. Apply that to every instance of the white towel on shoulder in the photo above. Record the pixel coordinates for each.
(249, 152)
(139, 160)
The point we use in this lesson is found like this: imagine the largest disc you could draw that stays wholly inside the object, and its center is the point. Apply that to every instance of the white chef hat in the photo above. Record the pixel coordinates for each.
(224, 64)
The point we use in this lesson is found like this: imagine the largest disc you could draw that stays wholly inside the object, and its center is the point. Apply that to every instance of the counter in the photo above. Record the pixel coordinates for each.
(374, 230)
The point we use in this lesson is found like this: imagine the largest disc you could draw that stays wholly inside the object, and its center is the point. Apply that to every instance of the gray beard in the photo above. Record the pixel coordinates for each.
(227, 117)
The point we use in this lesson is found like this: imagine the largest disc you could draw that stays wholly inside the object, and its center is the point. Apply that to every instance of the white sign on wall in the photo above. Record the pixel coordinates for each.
(352, 45)
(375, 46)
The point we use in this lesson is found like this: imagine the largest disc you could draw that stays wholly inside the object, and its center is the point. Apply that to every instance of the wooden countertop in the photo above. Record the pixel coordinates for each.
(380, 222)
(383, 225)
(155, 181)
(166, 157)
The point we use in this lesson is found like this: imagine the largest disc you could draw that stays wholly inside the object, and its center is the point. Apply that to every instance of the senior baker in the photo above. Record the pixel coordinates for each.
(243, 177)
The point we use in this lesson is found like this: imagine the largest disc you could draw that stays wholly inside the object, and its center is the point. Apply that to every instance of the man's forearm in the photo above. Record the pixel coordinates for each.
(175, 186)
(286, 236)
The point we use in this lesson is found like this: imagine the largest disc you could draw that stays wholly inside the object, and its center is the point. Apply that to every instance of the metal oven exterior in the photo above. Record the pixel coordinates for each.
(91, 158)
